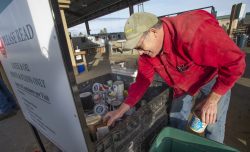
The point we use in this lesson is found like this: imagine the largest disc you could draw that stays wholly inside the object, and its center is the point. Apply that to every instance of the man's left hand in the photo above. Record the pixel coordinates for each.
(209, 108)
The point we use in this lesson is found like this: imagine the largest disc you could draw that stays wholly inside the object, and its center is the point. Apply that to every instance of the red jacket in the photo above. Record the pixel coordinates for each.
(195, 50)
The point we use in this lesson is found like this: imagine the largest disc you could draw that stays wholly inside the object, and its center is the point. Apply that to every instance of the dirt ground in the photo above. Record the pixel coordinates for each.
(16, 135)
(238, 116)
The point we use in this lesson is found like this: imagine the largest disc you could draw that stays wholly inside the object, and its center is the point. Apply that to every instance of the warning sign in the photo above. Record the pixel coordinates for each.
(2, 48)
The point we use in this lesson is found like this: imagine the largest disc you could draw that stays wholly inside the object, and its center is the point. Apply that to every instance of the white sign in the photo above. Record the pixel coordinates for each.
(32, 60)
(247, 18)
(242, 10)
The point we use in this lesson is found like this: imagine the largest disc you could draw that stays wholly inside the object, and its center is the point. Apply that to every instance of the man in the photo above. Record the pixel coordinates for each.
(191, 52)
(8, 105)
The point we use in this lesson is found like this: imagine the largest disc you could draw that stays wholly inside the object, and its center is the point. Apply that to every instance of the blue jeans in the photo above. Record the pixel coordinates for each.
(7, 101)
(181, 108)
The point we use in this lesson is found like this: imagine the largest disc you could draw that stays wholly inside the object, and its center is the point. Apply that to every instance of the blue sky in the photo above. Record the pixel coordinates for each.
(115, 22)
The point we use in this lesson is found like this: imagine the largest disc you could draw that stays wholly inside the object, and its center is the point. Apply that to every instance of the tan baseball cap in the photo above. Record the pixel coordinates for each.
(135, 26)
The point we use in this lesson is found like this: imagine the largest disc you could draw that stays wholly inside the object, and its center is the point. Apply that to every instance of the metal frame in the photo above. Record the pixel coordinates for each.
(38, 139)
(148, 119)
(131, 8)
(70, 73)
(116, 6)
(87, 27)
(234, 39)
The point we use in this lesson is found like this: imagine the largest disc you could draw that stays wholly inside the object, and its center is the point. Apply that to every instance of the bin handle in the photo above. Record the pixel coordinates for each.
(152, 140)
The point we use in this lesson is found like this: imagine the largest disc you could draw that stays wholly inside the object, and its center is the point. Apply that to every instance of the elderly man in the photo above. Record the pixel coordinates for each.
(191, 52)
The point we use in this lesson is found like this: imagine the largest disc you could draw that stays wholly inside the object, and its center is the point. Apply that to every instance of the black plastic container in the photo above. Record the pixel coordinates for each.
(87, 102)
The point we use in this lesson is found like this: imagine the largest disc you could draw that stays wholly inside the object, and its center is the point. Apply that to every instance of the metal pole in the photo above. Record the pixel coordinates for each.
(87, 27)
(38, 139)
(131, 9)
(213, 12)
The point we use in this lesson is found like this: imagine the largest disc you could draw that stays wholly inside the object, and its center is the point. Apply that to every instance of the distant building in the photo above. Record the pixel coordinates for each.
(224, 21)
(89, 41)
(111, 36)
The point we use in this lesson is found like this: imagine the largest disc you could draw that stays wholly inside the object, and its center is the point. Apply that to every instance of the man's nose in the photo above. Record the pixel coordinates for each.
(140, 52)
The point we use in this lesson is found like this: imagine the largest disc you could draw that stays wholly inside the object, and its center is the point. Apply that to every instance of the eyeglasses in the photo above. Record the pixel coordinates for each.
(140, 48)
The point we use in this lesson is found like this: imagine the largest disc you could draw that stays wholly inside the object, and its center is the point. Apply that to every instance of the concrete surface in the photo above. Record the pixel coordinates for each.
(16, 135)
(238, 118)
(100, 64)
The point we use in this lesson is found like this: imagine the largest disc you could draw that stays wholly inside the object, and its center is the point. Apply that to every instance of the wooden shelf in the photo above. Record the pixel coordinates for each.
(64, 1)
(63, 5)
(80, 53)
(81, 63)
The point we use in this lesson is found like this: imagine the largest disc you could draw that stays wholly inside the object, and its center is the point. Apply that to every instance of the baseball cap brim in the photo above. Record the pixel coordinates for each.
(131, 43)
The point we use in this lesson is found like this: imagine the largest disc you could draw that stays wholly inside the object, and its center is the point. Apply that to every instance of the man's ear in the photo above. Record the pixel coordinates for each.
(154, 31)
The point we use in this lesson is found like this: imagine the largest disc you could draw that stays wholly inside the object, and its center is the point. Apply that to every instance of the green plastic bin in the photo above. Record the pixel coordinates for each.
(175, 140)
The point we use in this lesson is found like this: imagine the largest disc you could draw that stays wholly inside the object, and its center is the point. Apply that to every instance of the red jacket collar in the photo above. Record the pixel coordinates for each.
(167, 44)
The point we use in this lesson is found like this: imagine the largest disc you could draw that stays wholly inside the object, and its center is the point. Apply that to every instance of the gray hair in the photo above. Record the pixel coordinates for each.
(158, 26)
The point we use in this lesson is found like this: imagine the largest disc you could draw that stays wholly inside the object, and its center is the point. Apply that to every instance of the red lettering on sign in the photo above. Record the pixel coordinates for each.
(2, 48)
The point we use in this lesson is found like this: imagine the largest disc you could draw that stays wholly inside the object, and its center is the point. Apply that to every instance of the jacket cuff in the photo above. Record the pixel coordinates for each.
(129, 102)
(221, 88)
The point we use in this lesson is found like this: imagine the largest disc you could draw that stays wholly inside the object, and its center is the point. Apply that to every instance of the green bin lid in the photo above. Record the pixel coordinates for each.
(175, 140)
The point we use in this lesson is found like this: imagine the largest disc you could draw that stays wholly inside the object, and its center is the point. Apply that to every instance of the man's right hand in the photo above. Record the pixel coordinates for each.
(111, 116)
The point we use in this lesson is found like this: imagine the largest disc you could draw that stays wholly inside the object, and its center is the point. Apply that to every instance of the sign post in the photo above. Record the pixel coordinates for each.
(36, 60)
